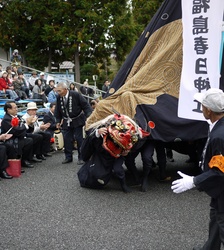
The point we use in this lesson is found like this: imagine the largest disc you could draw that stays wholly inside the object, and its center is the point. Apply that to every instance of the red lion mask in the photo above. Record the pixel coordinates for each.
(122, 134)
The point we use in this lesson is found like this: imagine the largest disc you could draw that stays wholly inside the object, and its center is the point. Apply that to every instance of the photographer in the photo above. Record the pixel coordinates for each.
(16, 59)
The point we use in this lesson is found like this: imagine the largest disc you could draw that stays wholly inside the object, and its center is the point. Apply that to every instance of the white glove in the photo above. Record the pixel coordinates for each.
(184, 184)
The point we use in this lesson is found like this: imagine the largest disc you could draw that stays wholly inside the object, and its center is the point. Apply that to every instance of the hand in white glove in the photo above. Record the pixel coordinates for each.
(184, 184)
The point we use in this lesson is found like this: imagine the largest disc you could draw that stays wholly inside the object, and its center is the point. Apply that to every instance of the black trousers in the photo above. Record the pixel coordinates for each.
(27, 150)
(41, 142)
(161, 158)
(3, 158)
(216, 231)
(20, 148)
(68, 136)
(10, 151)
(146, 152)
(118, 168)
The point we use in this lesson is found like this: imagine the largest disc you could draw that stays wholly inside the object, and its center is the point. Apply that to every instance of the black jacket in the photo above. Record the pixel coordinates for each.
(50, 118)
(19, 133)
(98, 163)
(212, 179)
(77, 110)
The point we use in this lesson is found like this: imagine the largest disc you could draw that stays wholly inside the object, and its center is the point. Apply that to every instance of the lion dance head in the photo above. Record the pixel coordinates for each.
(122, 134)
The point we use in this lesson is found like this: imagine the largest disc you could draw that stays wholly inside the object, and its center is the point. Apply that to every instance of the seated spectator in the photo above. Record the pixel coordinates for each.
(18, 87)
(23, 146)
(9, 69)
(43, 81)
(38, 92)
(24, 83)
(6, 87)
(15, 70)
(10, 79)
(41, 138)
(49, 87)
(32, 79)
(52, 96)
(50, 118)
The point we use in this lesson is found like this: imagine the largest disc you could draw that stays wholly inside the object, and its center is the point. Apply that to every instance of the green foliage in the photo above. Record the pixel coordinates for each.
(82, 31)
(87, 71)
(143, 11)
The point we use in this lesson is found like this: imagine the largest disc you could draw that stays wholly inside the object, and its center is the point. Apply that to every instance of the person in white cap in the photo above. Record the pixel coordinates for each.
(211, 180)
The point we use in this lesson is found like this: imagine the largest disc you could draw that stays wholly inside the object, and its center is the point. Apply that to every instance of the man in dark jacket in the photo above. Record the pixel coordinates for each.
(211, 180)
(50, 118)
(72, 109)
(23, 146)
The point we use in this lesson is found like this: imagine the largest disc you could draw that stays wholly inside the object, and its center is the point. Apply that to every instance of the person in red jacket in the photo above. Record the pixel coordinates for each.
(4, 87)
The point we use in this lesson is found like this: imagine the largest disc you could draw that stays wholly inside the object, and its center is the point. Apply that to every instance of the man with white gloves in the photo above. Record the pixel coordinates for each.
(211, 180)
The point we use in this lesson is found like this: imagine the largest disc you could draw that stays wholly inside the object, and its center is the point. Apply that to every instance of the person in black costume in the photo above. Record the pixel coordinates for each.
(211, 180)
(146, 148)
(104, 155)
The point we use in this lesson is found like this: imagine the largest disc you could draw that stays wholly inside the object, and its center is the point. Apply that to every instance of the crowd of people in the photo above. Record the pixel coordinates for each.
(69, 116)
(30, 141)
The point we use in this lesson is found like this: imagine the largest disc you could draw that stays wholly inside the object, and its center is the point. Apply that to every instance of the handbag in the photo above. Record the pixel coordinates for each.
(14, 168)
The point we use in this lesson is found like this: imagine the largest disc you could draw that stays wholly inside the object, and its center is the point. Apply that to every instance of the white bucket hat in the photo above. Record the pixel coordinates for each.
(31, 105)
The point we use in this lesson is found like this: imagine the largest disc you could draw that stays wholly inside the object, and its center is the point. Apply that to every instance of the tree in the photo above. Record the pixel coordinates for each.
(86, 31)
(122, 31)
(143, 11)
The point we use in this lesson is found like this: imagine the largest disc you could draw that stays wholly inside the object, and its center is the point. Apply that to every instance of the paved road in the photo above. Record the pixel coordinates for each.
(47, 209)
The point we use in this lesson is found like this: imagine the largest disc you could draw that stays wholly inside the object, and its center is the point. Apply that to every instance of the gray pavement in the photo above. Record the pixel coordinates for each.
(47, 209)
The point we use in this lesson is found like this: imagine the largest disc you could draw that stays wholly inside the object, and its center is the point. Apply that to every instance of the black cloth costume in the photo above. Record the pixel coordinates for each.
(99, 164)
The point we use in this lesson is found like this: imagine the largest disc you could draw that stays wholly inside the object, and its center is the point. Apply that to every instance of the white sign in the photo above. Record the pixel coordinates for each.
(57, 77)
(202, 33)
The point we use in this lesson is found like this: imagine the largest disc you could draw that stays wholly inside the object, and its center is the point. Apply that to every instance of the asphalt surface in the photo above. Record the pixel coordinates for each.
(47, 209)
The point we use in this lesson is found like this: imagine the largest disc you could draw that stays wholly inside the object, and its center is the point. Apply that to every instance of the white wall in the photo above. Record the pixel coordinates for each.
(4, 57)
